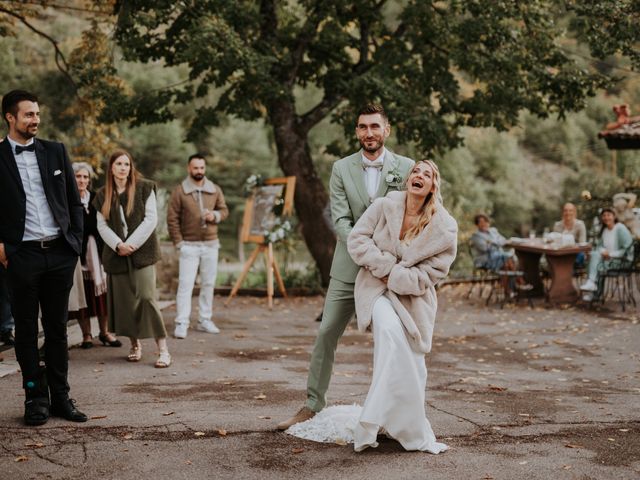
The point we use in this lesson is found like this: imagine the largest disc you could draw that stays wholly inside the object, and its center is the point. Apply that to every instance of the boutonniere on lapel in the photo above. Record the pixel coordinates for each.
(393, 178)
(57, 172)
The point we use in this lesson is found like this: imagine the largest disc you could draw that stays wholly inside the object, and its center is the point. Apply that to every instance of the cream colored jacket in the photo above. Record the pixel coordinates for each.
(413, 269)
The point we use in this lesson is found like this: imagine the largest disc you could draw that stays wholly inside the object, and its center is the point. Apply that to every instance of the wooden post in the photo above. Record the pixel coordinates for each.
(243, 275)
(272, 269)
(276, 270)
(269, 265)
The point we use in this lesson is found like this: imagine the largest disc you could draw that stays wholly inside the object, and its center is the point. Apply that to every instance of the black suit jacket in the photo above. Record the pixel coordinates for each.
(61, 191)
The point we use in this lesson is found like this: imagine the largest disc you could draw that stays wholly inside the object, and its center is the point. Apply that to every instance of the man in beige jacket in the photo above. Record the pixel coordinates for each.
(195, 209)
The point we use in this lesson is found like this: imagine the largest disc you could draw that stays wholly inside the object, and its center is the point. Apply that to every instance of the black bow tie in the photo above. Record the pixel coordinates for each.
(28, 148)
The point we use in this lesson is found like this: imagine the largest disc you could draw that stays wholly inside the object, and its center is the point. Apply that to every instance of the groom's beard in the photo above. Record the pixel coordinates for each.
(198, 176)
(377, 145)
(29, 133)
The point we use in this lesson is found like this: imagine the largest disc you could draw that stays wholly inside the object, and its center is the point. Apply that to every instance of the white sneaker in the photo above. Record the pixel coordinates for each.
(208, 326)
(181, 330)
(587, 297)
(589, 286)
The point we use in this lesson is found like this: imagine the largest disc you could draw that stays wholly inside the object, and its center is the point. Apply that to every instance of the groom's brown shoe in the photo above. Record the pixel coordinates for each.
(304, 414)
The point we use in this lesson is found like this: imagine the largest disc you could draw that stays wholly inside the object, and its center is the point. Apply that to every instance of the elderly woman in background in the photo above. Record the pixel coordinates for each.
(613, 242)
(94, 278)
(127, 219)
(487, 251)
(487, 243)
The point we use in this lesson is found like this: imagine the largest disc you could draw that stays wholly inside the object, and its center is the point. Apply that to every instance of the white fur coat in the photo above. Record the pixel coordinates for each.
(413, 269)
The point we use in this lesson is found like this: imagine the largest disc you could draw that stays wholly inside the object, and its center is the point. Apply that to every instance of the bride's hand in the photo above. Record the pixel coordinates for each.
(385, 279)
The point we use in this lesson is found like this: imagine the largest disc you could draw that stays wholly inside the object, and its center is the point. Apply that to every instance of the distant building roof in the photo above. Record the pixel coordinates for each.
(624, 134)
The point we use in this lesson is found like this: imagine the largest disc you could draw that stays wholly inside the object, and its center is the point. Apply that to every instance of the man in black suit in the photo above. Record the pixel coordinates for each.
(40, 240)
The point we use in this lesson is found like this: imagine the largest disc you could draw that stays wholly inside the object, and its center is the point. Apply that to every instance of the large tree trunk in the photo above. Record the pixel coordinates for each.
(311, 197)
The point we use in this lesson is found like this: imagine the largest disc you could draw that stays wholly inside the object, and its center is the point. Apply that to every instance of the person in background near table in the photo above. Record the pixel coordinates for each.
(93, 275)
(623, 204)
(487, 243)
(127, 218)
(196, 208)
(571, 225)
(487, 251)
(613, 242)
(40, 240)
(6, 319)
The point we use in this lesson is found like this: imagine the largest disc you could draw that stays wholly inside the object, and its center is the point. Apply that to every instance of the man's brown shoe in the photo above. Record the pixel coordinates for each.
(304, 414)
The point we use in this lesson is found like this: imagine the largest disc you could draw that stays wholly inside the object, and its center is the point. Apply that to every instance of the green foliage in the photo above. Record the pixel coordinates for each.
(405, 54)
(572, 141)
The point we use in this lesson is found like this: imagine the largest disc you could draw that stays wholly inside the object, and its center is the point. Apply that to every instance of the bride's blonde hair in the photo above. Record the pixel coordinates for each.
(430, 203)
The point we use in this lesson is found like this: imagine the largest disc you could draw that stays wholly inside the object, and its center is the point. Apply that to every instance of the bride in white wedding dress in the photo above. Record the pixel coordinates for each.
(404, 244)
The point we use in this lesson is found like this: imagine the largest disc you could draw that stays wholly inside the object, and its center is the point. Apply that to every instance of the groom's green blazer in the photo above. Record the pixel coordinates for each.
(349, 200)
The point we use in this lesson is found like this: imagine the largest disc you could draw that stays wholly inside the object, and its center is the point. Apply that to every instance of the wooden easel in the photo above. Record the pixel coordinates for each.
(266, 248)
(271, 267)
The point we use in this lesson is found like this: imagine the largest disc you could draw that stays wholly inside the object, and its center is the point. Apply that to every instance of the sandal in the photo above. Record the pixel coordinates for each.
(164, 359)
(135, 353)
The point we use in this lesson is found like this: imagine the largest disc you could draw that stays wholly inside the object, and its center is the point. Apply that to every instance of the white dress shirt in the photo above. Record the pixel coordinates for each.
(39, 220)
(139, 235)
(372, 175)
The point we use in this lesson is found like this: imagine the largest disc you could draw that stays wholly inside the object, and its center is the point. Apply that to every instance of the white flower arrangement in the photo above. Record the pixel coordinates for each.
(253, 181)
(280, 231)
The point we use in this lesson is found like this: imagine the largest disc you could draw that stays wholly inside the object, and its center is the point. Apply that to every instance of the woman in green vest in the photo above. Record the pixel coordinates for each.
(127, 219)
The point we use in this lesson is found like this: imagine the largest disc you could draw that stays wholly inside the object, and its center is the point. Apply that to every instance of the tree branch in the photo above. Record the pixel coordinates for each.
(306, 35)
(61, 62)
(269, 20)
(317, 113)
(364, 42)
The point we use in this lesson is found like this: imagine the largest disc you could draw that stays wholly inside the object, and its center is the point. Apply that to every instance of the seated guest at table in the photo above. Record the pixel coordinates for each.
(487, 251)
(571, 225)
(487, 243)
(613, 242)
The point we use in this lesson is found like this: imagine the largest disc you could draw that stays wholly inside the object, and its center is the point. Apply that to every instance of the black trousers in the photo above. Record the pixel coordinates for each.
(40, 279)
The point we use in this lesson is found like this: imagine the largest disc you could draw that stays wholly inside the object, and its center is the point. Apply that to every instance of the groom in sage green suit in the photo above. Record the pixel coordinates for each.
(355, 182)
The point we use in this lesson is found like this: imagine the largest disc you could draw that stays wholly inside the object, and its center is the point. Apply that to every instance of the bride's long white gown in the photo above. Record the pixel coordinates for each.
(395, 401)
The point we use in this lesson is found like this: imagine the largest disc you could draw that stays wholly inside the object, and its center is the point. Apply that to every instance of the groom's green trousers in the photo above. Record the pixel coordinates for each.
(339, 308)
